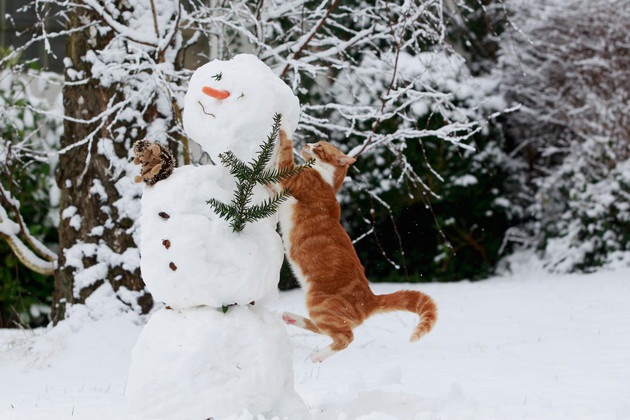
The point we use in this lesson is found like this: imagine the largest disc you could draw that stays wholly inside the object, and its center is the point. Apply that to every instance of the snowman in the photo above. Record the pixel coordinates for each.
(214, 350)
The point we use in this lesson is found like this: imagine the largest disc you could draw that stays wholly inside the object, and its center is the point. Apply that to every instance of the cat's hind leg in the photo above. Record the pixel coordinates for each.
(341, 340)
(300, 321)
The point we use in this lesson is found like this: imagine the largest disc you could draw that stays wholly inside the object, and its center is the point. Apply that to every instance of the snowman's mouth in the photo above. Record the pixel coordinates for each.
(205, 112)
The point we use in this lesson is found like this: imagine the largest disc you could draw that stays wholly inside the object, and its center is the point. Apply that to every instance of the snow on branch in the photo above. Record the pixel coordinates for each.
(140, 64)
(369, 63)
(370, 71)
(30, 251)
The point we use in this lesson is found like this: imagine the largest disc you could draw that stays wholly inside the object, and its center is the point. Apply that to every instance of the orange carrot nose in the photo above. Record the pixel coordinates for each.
(215, 93)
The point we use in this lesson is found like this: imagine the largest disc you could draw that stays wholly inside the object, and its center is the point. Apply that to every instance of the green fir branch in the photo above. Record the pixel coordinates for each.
(238, 169)
(266, 208)
(221, 209)
(241, 201)
(266, 149)
(240, 211)
(272, 176)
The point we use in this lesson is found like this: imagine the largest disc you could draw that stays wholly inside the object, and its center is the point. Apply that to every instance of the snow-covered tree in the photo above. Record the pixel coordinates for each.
(568, 64)
(361, 70)
(120, 71)
(121, 84)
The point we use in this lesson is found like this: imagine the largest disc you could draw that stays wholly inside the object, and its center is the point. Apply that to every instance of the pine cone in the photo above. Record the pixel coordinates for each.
(156, 160)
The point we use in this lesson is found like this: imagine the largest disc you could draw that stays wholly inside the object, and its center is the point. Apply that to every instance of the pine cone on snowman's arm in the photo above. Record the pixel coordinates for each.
(156, 160)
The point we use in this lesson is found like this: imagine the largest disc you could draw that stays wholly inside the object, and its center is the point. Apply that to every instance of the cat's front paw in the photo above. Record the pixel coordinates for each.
(284, 139)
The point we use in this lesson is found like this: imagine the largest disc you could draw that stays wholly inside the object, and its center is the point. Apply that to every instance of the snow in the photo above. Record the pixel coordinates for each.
(465, 180)
(212, 265)
(105, 259)
(10, 231)
(234, 123)
(7, 227)
(526, 345)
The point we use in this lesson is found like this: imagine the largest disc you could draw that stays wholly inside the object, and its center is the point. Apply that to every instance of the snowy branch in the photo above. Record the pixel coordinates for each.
(30, 251)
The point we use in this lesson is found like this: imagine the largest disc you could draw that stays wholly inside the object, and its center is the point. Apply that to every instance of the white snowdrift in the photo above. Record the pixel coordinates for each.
(533, 346)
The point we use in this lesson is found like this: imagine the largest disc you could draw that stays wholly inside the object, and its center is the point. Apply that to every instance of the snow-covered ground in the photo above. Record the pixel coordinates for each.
(532, 345)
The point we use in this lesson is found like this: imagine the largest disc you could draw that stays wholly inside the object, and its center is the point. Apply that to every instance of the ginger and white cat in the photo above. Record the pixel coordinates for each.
(321, 254)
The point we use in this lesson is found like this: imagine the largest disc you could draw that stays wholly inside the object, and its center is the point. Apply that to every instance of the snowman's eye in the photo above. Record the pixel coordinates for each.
(218, 76)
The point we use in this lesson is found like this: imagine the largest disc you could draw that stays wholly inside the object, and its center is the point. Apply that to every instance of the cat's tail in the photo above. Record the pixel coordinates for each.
(412, 301)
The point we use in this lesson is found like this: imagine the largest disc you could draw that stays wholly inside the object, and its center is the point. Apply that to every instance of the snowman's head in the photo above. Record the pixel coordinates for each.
(230, 106)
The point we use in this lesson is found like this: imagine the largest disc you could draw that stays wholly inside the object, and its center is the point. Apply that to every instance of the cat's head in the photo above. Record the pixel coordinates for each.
(331, 163)
(325, 153)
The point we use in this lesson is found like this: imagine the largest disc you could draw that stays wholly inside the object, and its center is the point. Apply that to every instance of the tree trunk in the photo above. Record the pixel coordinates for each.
(92, 228)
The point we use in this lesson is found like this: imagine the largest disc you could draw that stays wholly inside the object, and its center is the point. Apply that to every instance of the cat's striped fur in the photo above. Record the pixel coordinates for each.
(323, 258)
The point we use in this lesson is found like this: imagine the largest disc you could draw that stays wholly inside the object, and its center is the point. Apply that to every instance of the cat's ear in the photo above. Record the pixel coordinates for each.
(345, 160)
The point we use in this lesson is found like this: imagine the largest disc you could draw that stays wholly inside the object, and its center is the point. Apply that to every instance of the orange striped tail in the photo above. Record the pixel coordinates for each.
(412, 301)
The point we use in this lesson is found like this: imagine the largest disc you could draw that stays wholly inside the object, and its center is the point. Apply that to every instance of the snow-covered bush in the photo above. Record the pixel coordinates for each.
(589, 196)
(569, 66)
(27, 191)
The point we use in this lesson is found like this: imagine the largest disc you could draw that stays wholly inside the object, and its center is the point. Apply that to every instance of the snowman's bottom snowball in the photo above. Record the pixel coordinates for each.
(200, 363)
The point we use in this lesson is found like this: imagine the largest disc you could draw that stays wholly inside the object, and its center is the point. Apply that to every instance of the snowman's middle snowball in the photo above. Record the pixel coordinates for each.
(191, 257)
